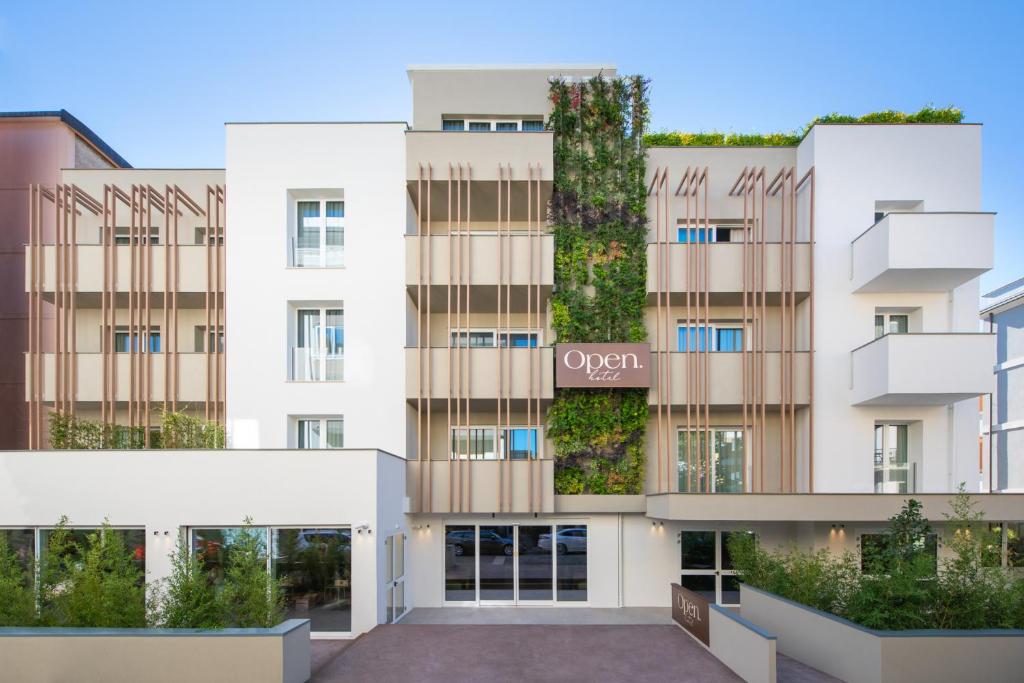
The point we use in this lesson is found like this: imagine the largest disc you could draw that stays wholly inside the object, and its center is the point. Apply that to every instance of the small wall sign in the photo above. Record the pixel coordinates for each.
(690, 611)
(600, 366)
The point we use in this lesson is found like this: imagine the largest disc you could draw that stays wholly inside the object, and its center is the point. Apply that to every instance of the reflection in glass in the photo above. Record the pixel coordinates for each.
(730, 589)
(211, 546)
(535, 566)
(78, 541)
(718, 470)
(726, 556)
(891, 467)
(698, 549)
(21, 543)
(497, 574)
(571, 546)
(701, 584)
(459, 563)
(314, 567)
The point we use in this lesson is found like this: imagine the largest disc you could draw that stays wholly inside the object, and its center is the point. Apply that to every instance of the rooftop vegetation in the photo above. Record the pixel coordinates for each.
(715, 139)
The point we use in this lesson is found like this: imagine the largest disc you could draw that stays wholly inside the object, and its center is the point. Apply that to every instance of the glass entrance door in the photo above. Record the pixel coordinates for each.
(394, 556)
(496, 550)
(707, 567)
(511, 564)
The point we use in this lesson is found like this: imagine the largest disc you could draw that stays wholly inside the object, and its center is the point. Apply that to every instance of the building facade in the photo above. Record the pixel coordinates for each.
(386, 290)
(1003, 414)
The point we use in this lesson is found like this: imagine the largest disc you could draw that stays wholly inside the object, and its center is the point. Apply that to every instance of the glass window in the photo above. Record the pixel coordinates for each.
(320, 350)
(519, 339)
(460, 563)
(320, 432)
(453, 124)
(533, 125)
(476, 443)
(572, 563)
(1015, 544)
(22, 544)
(728, 339)
(211, 547)
(519, 443)
(198, 339)
(480, 125)
(694, 235)
(319, 239)
(477, 338)
(698, 550)
(692, 338)
(78, 540)
(720, 471)
(309, 433)
(314, 566)
(891, 468)
(121, 340)
(891, 323)
(701, 584)
(506, 126)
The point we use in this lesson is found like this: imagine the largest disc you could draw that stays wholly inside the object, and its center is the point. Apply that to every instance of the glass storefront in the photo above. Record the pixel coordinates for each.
(515, 564)
(312, 564)
(706, 566)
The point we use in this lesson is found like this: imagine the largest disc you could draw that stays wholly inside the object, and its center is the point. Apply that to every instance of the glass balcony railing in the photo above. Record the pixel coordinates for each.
(316, 365)
(313, 254)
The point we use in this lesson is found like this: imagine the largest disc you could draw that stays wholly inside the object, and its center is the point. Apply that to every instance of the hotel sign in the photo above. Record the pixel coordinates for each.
(599, 366)
(690, 611)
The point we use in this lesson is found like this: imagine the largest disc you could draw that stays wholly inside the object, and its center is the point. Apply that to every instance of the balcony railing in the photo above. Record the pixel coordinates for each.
(310, 254)
(316, 365)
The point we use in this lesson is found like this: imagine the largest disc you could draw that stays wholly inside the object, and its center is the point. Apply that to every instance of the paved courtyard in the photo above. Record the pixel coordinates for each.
(452, 653)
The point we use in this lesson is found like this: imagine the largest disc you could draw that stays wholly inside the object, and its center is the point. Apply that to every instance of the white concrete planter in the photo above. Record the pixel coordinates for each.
(258, 655)
(857, 654)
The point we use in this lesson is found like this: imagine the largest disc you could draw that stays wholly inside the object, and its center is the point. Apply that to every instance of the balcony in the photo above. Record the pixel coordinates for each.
(191, 377)
(478, 485)
(480, 265)
(316, 365)
(922, 252)
(725, 378)
(922, 369)
(479, 377)
(725, 269)
(192, 268)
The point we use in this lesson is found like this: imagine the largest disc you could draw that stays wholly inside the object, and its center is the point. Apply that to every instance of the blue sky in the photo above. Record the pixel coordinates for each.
(157, 80)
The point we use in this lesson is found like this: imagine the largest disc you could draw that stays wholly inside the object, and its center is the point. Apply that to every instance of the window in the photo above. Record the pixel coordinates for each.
(723, 338)
(312, 564)
(319, 240)
(891, 468)
(485, 338)
(477, 443)
(694, 235)
(199, 337)
(495, 125)
(133, 539)
(320, 350)
(121, 340)
(124, 235)
(706, 565)
(891, 323)
(872, 551)
(317, 432)
(21, 543)
(216, 238)
(723, 473)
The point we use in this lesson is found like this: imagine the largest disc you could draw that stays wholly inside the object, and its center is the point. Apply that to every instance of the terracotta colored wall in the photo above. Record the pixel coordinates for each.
(31, 151)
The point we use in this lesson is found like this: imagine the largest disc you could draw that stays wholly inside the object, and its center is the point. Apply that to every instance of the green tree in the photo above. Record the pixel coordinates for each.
(92, 583)
(251, 596)
(187, 598)
(17, 595)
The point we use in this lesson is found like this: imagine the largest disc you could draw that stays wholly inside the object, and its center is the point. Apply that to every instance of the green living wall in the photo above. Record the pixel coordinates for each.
(598, 218)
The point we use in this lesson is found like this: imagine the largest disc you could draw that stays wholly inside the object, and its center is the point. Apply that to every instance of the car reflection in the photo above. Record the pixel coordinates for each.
(569, 540)
(462, 542)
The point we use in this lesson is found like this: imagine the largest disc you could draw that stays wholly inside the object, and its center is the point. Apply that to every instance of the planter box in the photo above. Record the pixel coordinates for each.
(258, 655)
(857, 654)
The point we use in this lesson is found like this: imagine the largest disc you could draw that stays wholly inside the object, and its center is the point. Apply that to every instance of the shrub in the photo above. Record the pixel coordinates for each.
(177, 430)
(95, 583)
(251, 597)
(17, 594)
(187, 598)
(901, 587)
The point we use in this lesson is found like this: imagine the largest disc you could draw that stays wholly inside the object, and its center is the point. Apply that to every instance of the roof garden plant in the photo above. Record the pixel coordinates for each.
(598, 218)
(177, 430)
(926, 114)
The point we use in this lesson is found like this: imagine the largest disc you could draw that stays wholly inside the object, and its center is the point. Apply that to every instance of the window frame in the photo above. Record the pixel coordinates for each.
(323, 421)
(887, 320)
(496, 334)
(492, 124)
(322, 228)
(133, 336)
(499, 439)
(909, 484)
(711, 432)
(320, 349)
(711, 334)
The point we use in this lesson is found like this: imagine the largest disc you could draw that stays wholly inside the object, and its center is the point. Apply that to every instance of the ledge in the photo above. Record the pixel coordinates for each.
(598, 503)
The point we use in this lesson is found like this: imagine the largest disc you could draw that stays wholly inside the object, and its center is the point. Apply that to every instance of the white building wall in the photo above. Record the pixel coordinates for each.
(171, 491)
(367, 163)
(855, 166)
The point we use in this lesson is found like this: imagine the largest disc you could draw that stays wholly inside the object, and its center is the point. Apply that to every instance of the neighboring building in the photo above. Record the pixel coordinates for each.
(384, 287)
(34, 147)
(1003, 311)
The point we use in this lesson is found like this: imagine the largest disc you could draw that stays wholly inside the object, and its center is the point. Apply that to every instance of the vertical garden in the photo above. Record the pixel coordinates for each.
(598, 218)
